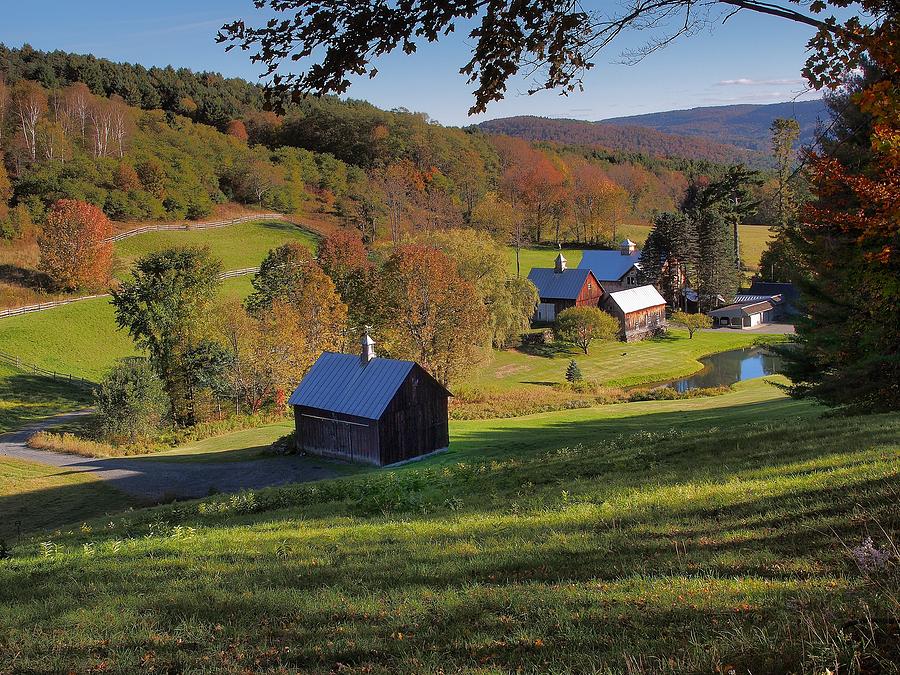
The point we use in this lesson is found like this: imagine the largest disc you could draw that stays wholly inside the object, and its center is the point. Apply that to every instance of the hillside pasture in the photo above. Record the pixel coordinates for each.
(81, 338)
(540, 256)
(562, 545)
(38, 497)
(26, 397)
(236, 246)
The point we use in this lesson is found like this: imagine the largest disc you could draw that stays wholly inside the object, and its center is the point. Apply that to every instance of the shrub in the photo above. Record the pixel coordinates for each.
(573, 372)
(71, 444)
(670, 394)
(131, 402)
(582, 325)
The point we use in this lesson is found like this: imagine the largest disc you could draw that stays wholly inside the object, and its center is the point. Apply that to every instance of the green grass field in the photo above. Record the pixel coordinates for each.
(703, 536)
(79, 339)
(540, 257)
(38, 497)
(230, 447)
(237, 246)
(615, 364)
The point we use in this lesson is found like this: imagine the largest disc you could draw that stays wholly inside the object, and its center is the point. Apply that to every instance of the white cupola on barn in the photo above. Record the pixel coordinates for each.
(561, 264)
(368, 347)
(627, 247)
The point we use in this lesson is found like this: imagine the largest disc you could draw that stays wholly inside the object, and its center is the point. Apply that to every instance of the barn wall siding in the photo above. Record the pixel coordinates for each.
(415, 422)
(590, 293)
(328, 434)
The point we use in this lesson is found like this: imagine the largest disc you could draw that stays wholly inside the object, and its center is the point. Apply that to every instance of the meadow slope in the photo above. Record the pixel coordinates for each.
(697, 536)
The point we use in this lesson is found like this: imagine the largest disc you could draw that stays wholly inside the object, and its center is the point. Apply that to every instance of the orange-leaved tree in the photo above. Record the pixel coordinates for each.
(73, 245)
(435, 317)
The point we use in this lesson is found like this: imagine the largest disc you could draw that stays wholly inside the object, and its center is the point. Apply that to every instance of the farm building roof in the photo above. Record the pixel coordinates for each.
(636, 299)
(565, 285)
(788, 292)
(743, 308)
(609, 265)
(743, 298)
(344, 383)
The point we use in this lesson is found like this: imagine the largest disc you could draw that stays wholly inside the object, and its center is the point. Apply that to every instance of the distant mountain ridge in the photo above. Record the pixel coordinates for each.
(744, 126)
(622, 138)
(722, 134)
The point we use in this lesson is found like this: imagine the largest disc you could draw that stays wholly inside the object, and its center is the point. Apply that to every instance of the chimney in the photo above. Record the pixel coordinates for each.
(368, 347)
(627, 247)
(560, 264)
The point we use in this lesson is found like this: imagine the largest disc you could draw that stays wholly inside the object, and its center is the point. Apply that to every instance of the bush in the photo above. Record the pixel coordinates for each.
(670, 394)
(541, 337)
(583, 325)
(71, 444)
(131, 402)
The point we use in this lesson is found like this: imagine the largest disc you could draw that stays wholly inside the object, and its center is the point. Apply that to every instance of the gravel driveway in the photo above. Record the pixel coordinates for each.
(154, 480)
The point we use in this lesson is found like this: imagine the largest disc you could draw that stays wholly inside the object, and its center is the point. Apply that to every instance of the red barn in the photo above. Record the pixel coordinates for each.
(560, 288)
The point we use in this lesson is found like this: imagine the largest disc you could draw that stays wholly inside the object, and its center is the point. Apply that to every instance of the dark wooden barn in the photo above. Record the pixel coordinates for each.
(367, 409)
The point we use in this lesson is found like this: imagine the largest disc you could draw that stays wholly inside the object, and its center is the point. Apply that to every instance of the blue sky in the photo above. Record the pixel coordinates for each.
(751, 59)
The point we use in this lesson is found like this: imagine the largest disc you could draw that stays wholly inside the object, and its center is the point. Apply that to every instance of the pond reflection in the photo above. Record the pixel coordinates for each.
(726, 368)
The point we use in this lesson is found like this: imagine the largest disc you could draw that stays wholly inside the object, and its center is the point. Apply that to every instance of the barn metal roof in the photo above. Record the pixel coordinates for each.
(343, 383)
(743, 308)
(742, 298)
(787, 291)
(636, 299)
(609, 265)
(565, 285)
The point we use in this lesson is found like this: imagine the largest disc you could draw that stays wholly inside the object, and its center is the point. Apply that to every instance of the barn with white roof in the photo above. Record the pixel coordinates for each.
(641, 312)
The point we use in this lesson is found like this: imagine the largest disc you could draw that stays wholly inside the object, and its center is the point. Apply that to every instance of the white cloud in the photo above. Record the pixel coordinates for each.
(746, 81)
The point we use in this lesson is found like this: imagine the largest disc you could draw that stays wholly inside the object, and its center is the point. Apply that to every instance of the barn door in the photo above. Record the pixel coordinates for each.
(345, 439)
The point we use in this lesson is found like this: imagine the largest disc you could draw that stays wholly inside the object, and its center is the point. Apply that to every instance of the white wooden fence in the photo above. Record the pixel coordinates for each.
(19, 364)
(16, 311)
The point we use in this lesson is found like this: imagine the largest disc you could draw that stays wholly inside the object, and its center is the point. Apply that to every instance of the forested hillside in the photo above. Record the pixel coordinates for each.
(622, 138)
(161, 143)
(746, 126)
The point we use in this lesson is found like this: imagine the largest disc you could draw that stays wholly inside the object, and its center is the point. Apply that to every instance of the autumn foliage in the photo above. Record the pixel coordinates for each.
(74, 252)
(435, 317)
(237, 129)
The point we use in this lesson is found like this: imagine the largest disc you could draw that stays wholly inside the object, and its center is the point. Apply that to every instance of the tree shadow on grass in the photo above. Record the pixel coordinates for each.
(28, 397)
(550, 350)
(25, 277)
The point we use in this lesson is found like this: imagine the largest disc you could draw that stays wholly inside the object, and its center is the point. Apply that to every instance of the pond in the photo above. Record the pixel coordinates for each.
(726, 368)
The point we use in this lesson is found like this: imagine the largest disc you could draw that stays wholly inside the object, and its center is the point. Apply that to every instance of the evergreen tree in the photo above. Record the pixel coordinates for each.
(670, 247)
(573, 372)
(715, 211)
(847, 348)
(784, 134)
